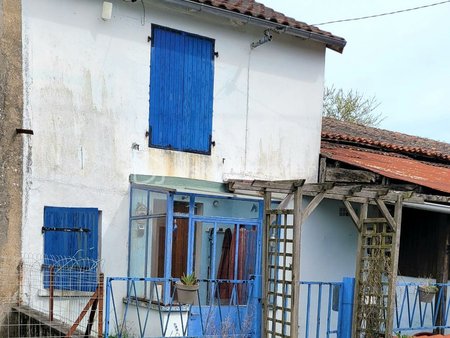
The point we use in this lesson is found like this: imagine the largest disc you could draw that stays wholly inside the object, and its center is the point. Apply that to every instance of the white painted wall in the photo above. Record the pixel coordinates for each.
(86, 84)
(87, 91)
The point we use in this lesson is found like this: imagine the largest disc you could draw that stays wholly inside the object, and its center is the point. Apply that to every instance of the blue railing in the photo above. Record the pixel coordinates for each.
(326, 308)
(416, 310)
(221, 308)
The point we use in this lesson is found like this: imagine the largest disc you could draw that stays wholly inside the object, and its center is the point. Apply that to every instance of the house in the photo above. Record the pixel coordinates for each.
(123, 121)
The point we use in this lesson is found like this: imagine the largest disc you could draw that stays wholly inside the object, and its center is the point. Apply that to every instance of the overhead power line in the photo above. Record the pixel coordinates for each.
(383, 14)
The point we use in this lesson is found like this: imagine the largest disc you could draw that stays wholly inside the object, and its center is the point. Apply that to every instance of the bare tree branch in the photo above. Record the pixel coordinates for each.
(351, 106)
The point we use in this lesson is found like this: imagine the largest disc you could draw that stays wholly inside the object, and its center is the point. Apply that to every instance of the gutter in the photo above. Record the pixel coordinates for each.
(332, 43)
(443, 209)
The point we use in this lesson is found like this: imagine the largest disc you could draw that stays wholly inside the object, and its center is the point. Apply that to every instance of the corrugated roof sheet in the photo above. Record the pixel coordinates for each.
(336, 130)
(260, 11)
(391, 165)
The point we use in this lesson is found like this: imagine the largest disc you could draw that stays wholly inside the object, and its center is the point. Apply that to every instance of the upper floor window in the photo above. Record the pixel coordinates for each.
(181, 91)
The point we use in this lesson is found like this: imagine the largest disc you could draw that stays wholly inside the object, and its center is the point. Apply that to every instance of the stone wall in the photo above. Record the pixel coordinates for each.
(11, 146)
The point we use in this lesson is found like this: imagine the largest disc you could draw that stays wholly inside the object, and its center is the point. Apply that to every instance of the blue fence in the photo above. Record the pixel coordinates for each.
(421, 309)
(220, 308)
(232, 308)
(326, 308)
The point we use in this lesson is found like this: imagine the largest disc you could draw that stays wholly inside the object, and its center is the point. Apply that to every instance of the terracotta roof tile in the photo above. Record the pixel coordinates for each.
(336, 130)
(259, 10)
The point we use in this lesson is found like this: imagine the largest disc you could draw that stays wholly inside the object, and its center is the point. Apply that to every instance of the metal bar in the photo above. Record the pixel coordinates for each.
(82, 314)
(44, 229)
(319, 303)
(308, 307)
(51, 290)
(107, 307)
(87, 333)
(330, 286)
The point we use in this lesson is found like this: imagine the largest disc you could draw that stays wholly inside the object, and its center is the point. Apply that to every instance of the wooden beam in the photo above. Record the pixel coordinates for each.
(375, 220)
(312, 206)
(352, 214)
(286, 186)
(322, 169)
(83, 313)
(348, 175)
(384, 210)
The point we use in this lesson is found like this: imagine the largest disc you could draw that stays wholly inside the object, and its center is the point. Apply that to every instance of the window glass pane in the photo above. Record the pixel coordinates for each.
(147, 240)
(158, 203)
(157, 245)
(138, 250)
(139, 202)
(223, 207)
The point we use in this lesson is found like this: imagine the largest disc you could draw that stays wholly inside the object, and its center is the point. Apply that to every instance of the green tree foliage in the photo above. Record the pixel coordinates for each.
(351, 106)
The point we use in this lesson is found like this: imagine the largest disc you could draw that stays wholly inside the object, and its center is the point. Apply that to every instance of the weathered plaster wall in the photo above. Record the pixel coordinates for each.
(11, 105)
(87, 100)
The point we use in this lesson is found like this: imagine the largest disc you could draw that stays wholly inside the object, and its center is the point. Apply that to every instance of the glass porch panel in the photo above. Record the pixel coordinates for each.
(225, 252)
(147, 240)
(227, 207)
(138, 249)
(147, 203)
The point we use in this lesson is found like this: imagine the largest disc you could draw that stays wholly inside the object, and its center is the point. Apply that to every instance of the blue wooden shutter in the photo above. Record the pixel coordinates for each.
(72, 252)
(181, 91)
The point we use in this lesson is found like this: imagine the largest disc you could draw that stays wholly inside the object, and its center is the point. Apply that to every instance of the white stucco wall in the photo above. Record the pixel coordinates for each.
(86, 98)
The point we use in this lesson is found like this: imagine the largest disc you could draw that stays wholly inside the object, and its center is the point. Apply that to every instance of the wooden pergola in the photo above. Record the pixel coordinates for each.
(377, 255)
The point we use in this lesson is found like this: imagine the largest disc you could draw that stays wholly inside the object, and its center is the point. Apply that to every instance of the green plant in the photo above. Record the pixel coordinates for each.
(189, 279)
(400, 335)
(429, 288)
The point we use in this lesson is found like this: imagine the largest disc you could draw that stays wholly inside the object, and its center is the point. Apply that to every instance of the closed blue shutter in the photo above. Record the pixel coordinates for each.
(181, 91)
(74, 252)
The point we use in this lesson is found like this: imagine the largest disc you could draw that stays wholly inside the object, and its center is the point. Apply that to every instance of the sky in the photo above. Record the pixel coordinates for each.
(403, 59)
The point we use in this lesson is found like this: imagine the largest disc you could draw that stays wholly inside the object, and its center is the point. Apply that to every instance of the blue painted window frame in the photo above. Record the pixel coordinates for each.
(181, 91)
(170, 215)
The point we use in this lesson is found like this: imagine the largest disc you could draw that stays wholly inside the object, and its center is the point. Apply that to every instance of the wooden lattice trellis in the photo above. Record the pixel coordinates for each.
(377, 261)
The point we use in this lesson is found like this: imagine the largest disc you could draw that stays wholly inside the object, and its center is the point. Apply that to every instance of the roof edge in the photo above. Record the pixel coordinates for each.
(336, 44)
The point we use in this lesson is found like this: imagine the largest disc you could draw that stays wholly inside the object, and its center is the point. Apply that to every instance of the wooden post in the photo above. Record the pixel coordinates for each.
(264, 261)
(394, 266)
(362, 216)
(298, 216)
(51, 291)
(101, 285)
(442, 270)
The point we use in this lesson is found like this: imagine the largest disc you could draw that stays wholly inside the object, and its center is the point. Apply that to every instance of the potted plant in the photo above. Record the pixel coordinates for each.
(427, 292)
(187, 289)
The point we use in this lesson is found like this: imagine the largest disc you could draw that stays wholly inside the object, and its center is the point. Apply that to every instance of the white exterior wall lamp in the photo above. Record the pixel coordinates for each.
(107, 10)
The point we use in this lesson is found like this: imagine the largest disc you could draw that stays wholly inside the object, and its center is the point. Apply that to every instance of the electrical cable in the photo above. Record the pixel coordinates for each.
(383, 14)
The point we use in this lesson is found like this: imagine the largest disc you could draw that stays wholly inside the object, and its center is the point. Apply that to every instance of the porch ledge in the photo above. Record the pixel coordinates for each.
(155, 306)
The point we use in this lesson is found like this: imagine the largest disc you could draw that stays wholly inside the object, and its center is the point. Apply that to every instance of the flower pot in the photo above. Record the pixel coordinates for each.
(186, 294)
(426, 295)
